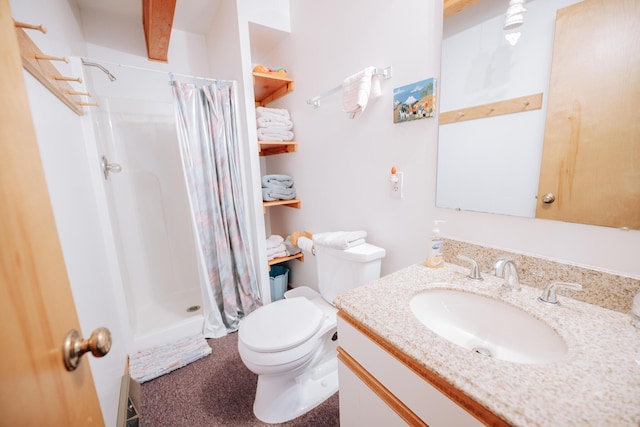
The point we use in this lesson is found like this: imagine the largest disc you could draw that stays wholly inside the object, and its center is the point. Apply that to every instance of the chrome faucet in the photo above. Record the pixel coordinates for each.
(505, 267)
(549, 294)
(474, 273)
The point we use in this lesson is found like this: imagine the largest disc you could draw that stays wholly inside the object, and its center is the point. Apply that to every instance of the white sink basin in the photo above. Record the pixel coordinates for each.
(490, 327)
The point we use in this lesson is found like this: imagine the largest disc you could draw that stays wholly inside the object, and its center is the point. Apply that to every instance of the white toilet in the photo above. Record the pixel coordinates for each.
(291, 343)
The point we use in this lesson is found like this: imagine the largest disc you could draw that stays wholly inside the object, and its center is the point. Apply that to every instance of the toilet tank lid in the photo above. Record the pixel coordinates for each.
(281, 325)
(361, 253)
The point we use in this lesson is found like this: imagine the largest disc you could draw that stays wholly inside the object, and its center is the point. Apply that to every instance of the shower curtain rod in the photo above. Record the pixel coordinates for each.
(168, 73)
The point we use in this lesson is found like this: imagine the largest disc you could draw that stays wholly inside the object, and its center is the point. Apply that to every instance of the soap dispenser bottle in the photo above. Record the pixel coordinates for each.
(435, 258)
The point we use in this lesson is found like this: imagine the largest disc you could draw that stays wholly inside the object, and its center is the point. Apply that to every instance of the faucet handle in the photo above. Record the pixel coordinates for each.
(549, 294)
(475, 271)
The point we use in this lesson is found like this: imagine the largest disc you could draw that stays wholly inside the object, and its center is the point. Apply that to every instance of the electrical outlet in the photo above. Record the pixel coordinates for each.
(396, 187)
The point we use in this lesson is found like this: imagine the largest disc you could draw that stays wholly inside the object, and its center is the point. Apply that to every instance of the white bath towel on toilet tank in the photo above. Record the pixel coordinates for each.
(340, 239)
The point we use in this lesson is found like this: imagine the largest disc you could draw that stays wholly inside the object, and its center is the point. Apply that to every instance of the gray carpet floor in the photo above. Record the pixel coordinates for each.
(217, 390)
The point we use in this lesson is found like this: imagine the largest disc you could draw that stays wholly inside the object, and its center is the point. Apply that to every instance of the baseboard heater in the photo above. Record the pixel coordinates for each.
(128, 408)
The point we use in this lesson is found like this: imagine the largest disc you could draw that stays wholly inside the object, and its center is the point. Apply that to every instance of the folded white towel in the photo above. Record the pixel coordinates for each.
(269, 134)
(260, 111)
(274, 240)
(340, 239)
(280, 249)
(277, 255)
(271, 121)
(358, 89)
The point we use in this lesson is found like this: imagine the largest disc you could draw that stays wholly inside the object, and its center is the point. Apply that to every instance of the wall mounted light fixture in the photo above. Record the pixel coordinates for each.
(514, 17)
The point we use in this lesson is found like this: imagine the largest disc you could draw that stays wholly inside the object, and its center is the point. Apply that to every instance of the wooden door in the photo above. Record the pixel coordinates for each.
(36, 304)
(591, 153)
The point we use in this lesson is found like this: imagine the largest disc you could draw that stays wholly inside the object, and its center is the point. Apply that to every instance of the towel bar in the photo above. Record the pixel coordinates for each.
(315, 101)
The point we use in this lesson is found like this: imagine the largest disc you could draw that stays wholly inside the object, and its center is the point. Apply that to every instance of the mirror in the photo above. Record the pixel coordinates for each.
(493, 162)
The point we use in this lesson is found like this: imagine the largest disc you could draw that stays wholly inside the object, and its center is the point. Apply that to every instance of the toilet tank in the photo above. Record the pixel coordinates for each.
(341, 270)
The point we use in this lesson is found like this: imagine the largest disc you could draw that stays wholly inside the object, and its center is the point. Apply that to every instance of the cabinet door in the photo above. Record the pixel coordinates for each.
(360, 406)
(419, 402)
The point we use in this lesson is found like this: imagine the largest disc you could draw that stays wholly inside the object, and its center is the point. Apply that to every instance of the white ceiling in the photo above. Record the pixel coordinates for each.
(194, 16)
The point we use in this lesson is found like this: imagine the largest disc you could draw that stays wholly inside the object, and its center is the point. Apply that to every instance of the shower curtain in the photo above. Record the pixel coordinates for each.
(206, 118)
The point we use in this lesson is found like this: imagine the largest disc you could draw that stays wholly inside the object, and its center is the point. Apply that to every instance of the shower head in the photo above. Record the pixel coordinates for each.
(93, 64)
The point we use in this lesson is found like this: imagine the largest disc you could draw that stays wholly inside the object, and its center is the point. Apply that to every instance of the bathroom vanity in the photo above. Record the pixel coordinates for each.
(395, 371)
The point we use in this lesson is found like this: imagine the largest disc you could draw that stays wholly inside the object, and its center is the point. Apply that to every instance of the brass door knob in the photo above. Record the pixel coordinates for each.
(99, 344)
(548, 198)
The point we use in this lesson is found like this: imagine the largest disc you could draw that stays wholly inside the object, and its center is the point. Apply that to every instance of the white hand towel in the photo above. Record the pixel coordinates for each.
(268, 110)
(281, 248)
(340, 239)
(274, 122)
(358, 89)
(274, 240)
(269, 134)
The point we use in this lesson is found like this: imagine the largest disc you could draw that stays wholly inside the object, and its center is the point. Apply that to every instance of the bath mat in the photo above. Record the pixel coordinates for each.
(145, 365)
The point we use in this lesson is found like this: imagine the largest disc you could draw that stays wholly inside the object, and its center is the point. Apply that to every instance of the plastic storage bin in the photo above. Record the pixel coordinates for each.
(279, 280)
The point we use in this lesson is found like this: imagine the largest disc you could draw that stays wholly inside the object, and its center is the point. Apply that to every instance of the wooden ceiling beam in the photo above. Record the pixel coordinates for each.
(451, 7)
(157, 20)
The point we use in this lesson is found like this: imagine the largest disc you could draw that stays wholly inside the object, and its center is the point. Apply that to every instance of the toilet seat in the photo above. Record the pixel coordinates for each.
(280, 326)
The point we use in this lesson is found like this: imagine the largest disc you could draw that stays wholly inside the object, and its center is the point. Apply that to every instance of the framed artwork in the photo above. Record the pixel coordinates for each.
(414, 101)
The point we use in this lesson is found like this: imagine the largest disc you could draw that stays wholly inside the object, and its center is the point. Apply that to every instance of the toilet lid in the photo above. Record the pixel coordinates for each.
(280, 325)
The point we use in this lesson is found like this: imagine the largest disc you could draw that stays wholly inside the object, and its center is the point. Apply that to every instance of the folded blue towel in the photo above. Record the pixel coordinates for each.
(272, 194)
(277, 181)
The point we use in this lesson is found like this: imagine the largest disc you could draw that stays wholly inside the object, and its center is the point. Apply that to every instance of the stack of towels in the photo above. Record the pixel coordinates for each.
(277, 247)
(340, 239)
(277, 187)
(358, 89)
(274, 124)
(145, 365)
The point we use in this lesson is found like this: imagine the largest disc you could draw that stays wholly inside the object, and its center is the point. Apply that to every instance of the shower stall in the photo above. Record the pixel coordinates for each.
(135, 135)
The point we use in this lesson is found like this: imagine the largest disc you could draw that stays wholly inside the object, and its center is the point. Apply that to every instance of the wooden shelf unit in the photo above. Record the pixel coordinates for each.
(269, 87)
(293, 203)
(299, 256)
(270, 148)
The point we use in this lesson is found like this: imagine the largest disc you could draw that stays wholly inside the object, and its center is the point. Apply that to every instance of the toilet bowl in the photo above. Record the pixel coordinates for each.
(292, 343)
(280, 343)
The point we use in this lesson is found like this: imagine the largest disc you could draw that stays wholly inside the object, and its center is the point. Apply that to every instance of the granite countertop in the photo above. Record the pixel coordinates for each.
(598, 384)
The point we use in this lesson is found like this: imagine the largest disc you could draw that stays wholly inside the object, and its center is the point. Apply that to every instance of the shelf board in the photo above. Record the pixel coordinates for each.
(299, 256)
(269, 148)
(293, 203)
(269, 87)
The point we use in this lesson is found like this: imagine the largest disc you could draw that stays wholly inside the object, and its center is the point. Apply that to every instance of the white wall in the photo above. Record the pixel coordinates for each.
(342, 166)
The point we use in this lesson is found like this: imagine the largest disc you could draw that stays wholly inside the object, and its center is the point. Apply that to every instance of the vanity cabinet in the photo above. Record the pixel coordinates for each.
(267, 88)
(378, 388)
